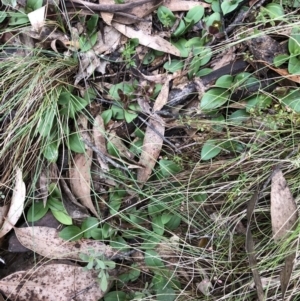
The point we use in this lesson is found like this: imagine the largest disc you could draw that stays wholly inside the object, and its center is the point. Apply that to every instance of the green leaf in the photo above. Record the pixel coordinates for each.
(214, 17)
(150, 241)
(71, 233)
(92, 23)
(3, 16)
(34, 4)
(215, 5)
(50, 151)
(294, 41)
(129, 117)
(205, 54)
(239, 116)
(228, 6)
(116, 296)
(292, 100)
(173, 223)
(36, 211)
(157, 225)
(148, 58)
(180, 29)
(127, 89)
(280, 59)
(55, 204)
(117, 112)
(182, 47)
(46, 121)
(274, 10)
(119, 243)
(62, 217)
(203, 72)
(166, 217)
(195, 13)
(200, 197)
(107, 115)
(12, 3)
(224, 81)
(87, 43)
(75, 143)
(165, 16)
(88, 225)
(132, 275)
(209, 150)
(152, 259)
(294, 65)
(165, 294)
(174, 65)
(169, 167)
(103, 283)
(259, 102)
(214, 98)
(64, 98)
(97, 234)
(78, 103)
(20, 20)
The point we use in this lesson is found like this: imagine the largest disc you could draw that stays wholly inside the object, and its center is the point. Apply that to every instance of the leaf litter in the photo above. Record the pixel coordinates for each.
(161, 115)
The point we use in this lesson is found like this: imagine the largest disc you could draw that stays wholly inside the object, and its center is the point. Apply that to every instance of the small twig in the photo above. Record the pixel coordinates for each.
(103, 157)
(161, 136)
(110, 8)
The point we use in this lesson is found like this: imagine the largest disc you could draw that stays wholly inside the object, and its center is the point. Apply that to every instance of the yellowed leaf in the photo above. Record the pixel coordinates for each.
(53, 282)
(17, 204)
(46, 242)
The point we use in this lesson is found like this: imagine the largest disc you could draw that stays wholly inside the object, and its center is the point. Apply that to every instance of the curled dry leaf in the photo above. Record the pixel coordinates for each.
(43, 186)
(37, 18)
(284, 213)
(156, 42)
(80, 179)
(17, 204)
(284, 217)
(153, 140)
(112, 39)
(54, 282)
(179, 5)
(100, 140)
(46, 242)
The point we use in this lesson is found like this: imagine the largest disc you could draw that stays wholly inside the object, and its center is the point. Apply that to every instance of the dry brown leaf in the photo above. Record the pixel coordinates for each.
(17, 204)
(43, 186)
(54, 282)
(178, 5)
(37, 18)
(112, 40)
(46, 242)
(284, 214)
(153, 140)
(107, 17)
(89, 62)
(120, 145)
(80, 179)
(100, 140)
(284, 218)
(155, 42)
(3, 213)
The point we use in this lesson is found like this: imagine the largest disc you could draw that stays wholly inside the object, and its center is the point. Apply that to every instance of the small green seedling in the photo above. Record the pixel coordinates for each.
(100, 264)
